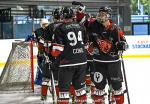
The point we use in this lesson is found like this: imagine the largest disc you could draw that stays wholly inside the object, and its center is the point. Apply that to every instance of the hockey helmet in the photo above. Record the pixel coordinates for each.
(80, 8)
(108, 10)
(80, 13)
(104, 14)
(44, 22)
(67, 12)
(57, 13)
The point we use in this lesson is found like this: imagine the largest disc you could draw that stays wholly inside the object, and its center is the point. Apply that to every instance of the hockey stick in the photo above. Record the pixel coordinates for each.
(125, 79)
(52, 88)
(39, 68)
(52, 83)
(111, 99)
(109, 95)
(124, 72)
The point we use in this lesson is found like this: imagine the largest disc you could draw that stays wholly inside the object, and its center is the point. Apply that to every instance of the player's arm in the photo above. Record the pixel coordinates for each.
(39, 40)
(48, 34)
(121, 43)
(36, 35)
(90, 39)
(85, 35)
(57, 46)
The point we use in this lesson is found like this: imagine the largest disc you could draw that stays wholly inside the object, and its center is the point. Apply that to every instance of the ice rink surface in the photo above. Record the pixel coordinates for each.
(138, 76)
(137, 73)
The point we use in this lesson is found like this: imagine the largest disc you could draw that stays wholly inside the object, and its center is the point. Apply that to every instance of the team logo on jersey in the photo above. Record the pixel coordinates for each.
(98, 77)
(104, 45)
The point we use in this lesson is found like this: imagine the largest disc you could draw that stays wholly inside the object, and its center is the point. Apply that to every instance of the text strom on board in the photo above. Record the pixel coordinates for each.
(141, 46)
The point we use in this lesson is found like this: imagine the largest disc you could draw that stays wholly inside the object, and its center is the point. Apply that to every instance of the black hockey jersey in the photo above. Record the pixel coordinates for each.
(39, 33)
(87, 23)
(49, 30)
(70, 38)
(112, 34)
(49, 33)
(49, 38)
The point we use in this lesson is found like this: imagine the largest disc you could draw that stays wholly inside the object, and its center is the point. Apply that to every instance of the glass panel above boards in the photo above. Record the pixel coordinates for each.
(141, 28)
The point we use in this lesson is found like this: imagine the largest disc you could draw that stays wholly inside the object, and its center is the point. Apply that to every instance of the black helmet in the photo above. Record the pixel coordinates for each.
(105, 9)
(57, 13)
(67, 12)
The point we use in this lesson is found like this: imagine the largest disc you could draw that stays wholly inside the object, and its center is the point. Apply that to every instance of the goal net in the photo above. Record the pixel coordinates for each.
(17, 74)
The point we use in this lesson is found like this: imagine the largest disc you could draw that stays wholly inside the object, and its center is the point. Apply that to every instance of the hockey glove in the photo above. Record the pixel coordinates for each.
(89, 47)
(121, 46)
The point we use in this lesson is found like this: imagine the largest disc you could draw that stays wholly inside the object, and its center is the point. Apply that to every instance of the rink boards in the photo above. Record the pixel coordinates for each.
(139, 47)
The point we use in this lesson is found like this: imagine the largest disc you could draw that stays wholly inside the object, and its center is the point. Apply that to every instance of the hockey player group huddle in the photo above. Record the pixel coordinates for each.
(83, 52)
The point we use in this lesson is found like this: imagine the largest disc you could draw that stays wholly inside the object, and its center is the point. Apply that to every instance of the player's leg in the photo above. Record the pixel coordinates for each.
(92, 86)
(88, 77)
(79, 84)
(100, 82)
(72, 93)
(44, 88)
(116, 79)
(38, 79)
(45, 81)
(64, 79)
(55, 73)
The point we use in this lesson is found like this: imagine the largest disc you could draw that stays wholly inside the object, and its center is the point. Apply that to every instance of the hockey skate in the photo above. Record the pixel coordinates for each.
(43, 98)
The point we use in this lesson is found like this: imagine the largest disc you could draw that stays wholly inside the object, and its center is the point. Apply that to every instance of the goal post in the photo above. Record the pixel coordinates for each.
(18, 72)
(32, 65)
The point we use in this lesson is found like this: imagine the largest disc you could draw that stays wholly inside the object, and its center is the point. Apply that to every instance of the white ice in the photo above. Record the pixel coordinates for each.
(137, 73)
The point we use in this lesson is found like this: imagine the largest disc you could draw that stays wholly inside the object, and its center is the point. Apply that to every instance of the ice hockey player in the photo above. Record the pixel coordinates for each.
(39, 38)
(85, 19)
(70, 38)
(107, 39)
(49, 35)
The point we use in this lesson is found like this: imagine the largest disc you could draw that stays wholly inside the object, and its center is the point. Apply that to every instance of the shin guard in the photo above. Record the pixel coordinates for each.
(119, 99)
(81, 96)
(57, 90)
(72, 91)
(98, 96)
(63, 98)
(63, 101)
(119, 96)
(44, 90)
(99, 99)
(81, 99)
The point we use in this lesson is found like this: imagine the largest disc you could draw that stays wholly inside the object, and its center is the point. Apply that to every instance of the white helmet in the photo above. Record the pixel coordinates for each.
(44, 21)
